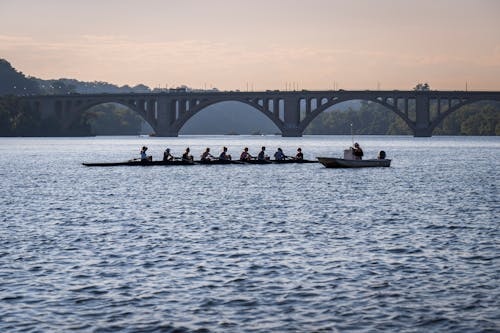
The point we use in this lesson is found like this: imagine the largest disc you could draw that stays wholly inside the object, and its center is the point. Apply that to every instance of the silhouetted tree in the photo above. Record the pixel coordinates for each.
(422, 87)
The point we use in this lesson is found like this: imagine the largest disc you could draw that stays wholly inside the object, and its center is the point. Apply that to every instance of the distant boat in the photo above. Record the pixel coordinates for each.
(349, 161)
(232, 133)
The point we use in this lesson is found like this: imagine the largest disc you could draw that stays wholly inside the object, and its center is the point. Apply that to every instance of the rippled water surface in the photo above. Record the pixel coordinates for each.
(250, 248)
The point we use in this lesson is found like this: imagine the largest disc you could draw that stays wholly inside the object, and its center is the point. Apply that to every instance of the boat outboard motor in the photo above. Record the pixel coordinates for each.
(381, 155)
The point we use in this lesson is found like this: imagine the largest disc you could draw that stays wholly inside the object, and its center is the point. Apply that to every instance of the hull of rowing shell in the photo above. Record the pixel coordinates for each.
(178, 162)
(293, 161)
(140, 163)
(279, 161)
(212, 162)
(332, 162)
(258, 162)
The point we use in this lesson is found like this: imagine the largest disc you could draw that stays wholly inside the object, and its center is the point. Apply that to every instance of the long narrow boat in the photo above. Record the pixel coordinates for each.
(139, 163)
(182, 162)
(218, 161)
(258, 161)
(291, 161)
(332, 162)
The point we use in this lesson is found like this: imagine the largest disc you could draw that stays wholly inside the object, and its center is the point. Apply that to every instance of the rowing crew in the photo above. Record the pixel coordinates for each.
(278, 155)
(207, 156)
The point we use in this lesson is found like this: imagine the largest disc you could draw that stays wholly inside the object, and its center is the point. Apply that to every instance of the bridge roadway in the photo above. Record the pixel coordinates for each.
(291, 111)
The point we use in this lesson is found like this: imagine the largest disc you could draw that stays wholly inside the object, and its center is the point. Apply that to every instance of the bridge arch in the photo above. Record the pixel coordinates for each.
(204, 104)
(132, 105)
(440, 118)
(312, 115)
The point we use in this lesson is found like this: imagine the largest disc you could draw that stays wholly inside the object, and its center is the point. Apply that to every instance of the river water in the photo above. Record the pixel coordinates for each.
(250, 248)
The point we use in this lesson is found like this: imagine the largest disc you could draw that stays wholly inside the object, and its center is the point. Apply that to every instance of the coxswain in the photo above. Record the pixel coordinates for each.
(206, 156)
(299, 155)
(357, 151)
(186, 156)
(224, 155)
(262, 155)
(245, 156)
(167, 156)
(279, 155)
(144, 157)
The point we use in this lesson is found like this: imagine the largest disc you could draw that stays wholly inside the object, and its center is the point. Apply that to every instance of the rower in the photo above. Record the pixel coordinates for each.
(262, 155)
(279, 155)
(186, 156)
(299, 155)
(224, 155)
(206, 156)
(167, 156)
(144, 157)
(245, 156)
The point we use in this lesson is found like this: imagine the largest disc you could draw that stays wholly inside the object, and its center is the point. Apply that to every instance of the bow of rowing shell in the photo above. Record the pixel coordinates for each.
(290, 111)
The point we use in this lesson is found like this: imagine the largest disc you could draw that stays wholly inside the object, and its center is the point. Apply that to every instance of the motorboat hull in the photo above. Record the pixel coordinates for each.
(333, 162)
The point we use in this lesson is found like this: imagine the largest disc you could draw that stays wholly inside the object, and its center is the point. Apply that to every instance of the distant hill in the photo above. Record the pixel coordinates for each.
(13, 82)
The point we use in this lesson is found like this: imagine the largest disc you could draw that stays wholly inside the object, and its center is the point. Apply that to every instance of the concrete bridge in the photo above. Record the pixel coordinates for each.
(291, 111)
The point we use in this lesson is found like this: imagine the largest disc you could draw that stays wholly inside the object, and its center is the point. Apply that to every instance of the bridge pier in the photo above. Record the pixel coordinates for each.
(166, 118)
(166, 133)
(423, 116)
(422, 133)
(291, 118)
(291, 132)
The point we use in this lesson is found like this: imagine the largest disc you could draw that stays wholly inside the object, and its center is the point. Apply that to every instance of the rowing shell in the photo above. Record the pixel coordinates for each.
(203, 162)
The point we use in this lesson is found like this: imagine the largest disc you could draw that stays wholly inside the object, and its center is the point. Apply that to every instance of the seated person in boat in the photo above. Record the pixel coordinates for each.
(224, 155)
(279, 155)
(186, 156)
(262, 155)
(206, 156)
(299, 155)
(357, 151)
(381, 155)
(144, 157)
(245, 155)
(167, 156)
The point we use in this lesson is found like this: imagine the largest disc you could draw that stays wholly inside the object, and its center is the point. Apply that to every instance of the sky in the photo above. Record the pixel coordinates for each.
(257, 44)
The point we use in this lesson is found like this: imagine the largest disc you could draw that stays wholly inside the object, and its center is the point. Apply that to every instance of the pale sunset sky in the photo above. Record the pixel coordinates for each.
(265, 44)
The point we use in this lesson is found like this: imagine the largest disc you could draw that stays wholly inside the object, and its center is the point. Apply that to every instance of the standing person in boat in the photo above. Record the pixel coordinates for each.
(206, 156)
(144, 157)
(299, 155)
(262, 155)
(224, 155)
(245, 155)
(186, 156)
(357, 151)
(167, 156)
(279, 155)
